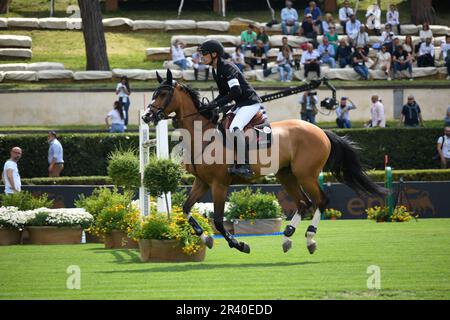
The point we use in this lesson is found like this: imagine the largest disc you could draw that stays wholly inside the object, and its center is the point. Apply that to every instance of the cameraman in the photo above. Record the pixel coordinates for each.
(308, 102)
(342, 113)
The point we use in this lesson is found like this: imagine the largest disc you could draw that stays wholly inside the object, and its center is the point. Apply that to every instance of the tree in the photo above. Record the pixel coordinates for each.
(330, 5)
(422, 11)
(94, 35)
(4, 6)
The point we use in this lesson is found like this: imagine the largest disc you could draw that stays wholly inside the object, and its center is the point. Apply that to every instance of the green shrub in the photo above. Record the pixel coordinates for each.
(123, 168)
(381, 214)
(24, 200)
(179, 198)
(92, 180)
(162, 176)
(155, 226)
(246, 204)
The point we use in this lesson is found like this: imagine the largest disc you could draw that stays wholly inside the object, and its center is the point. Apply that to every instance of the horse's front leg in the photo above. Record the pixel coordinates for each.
(199, 188)
(219, 193)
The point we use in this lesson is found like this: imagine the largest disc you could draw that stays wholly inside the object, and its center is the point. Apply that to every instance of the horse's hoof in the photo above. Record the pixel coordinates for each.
(312, 247)
(209, 242)
(287, 245)
(244, 247)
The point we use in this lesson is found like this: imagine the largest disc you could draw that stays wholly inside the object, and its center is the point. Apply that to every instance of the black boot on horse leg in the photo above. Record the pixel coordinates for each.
(232, 242)
(207, 239)
(291, 227)
(239, 168)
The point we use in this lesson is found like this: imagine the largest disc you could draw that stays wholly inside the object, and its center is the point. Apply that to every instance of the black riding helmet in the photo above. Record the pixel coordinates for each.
(210, 46)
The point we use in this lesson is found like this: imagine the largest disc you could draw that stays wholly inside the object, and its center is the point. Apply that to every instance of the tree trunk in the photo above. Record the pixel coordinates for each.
(330, 6)
(94, 35)
(4, 6)
(422, 11)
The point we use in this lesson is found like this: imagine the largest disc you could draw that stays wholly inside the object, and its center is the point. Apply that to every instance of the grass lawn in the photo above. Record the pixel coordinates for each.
(413, 258)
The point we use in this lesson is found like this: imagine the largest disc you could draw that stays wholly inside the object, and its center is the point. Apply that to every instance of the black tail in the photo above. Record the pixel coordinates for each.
(345, 165)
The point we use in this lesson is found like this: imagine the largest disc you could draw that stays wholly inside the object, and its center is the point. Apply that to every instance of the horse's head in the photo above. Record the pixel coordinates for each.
(163, 100)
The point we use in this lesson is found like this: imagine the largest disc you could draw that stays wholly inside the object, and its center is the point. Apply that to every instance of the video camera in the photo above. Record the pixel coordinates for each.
(329, 103)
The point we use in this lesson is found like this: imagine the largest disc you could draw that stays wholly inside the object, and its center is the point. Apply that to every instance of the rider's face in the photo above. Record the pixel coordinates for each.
(208, 58)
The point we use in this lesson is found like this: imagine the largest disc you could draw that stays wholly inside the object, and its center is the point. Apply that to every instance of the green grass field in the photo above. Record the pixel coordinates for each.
(413, 257)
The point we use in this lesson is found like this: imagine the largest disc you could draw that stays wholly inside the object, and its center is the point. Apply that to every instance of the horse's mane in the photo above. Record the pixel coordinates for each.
(193, 93)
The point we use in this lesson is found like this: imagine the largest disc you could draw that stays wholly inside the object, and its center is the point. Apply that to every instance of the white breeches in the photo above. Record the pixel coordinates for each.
(243, 115)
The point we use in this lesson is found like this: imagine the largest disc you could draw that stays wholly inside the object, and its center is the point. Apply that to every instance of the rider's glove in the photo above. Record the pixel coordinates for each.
(210, 106)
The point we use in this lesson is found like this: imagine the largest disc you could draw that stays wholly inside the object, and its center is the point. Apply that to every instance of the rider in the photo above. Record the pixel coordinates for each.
(232, 87)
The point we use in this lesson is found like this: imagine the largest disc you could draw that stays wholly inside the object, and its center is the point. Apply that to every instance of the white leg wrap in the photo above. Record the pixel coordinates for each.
(294, 222)
(314, 222)
(203, 237)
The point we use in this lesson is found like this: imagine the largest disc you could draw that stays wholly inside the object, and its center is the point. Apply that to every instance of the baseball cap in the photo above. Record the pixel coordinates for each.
(309, 15)
(52, 132)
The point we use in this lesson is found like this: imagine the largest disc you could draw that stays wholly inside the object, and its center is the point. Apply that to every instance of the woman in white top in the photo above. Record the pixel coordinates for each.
(393, 18)
(238, 59)
(117, 118)
(123, 91)
(383, 61)
(178, 57)
(373, 16)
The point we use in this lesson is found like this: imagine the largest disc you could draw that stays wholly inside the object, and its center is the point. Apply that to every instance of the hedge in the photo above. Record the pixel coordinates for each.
(86, 154)
(188, 179)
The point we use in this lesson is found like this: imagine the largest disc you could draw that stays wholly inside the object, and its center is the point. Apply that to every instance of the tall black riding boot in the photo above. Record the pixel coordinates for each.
(241, 169)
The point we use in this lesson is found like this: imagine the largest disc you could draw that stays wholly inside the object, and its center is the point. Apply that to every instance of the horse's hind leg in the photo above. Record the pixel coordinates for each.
(290, 184)
(199, 188)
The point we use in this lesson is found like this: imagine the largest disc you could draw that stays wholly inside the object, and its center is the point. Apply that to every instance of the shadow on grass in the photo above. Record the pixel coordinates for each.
(198, 267)
(122, 256)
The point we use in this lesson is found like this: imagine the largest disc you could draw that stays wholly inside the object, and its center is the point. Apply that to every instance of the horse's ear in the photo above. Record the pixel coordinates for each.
(169, 77)
(158, 77)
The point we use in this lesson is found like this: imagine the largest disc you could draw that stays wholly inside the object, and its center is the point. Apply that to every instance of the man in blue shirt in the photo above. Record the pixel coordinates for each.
(314, 10)
(289, 17)
(55, 155)
(353, 26)
(327, 53)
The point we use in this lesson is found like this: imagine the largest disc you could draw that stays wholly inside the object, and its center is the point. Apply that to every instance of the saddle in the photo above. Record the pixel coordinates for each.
(260, 125)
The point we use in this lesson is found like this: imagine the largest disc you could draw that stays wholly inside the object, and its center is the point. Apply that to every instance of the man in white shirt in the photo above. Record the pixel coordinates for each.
(426, 54)
(361, 39)
(353, 26)
(55, 155)
(445, 51)
(377, 113)
(10, 174)
(443, 148)
(289, 17)
(373, 16)
(344, 15)
(393, 18)
(310, 61)
(178, 57)
(342, 113)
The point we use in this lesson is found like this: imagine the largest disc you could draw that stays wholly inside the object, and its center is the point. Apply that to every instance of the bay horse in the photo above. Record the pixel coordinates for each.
(303, 150)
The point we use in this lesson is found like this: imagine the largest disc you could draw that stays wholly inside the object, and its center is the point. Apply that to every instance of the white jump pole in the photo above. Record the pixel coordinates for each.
(162, 151)
(144, 154)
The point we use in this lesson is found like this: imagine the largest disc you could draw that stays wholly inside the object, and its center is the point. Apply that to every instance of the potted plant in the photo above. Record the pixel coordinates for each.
(57, 226)
(332, 214)
(381, 214)
(164, 239)
(114, 223)
(254, 212)
(12, 222)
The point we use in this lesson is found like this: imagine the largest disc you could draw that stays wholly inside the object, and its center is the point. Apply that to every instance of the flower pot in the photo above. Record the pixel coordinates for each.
(168, 251)
(92, 238)
(55, 235)
(228, 225)
(9, 236)
(118, 239)
(257, 226)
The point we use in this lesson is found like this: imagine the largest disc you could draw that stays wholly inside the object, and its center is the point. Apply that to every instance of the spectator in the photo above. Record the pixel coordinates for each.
(424, 34)
(316, 14)
(426, 54)
(123, 91)
(411, 115)
(289, 18)
(284, 61)
(258, 56)
(359, 60)
(344, 54)
(238, 59)
(362, 39)
(342, 113)
(377, 113)
(344, 15)
(353, 26)
(402, 61)
(55, 155)
(327, 53)
(445, 49)
(332, 36)
(373, 16)
(310, 60)
(262, 36)
(393, 17)
(178, 57)
(443, 148)
(10, 175)
(198, 65)
(117, 119)
(329, 21)
(447, 117)
(308, 29)
(248, 38)
(387, 38)
(383, 62)
(308, 102)
(408, 46)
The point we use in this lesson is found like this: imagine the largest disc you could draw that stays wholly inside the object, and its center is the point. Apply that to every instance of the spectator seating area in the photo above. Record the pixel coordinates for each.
(17, 47)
